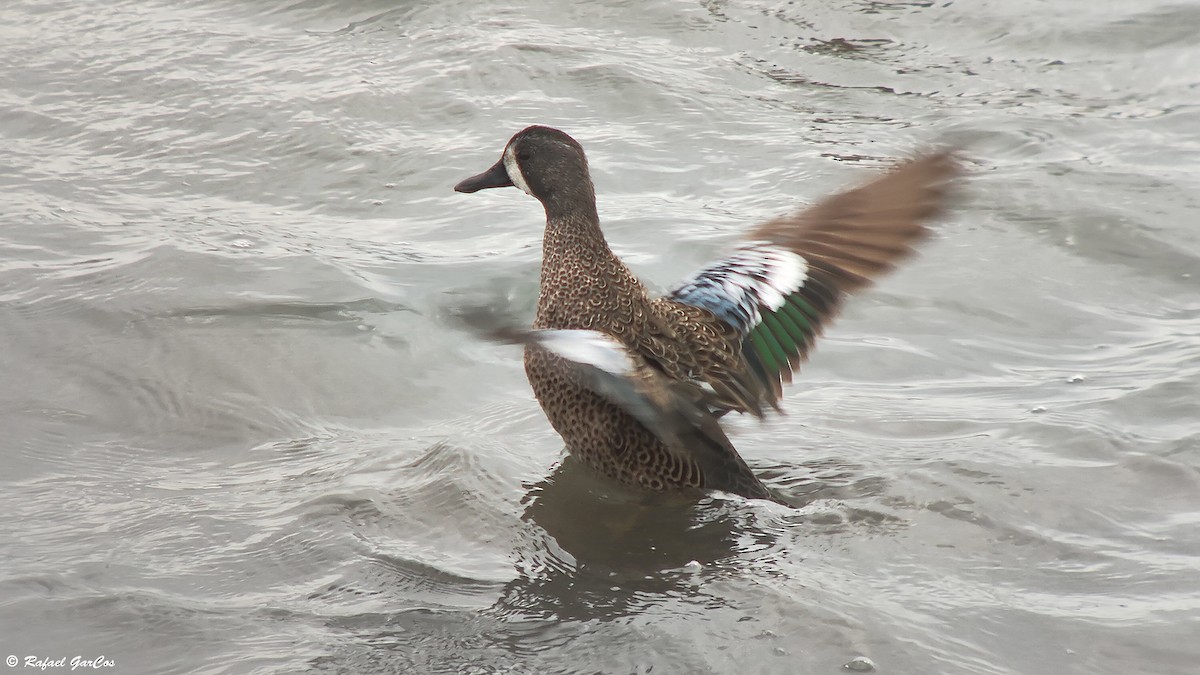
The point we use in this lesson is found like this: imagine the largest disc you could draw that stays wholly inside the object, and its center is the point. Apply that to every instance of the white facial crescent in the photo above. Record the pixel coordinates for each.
(514, 170)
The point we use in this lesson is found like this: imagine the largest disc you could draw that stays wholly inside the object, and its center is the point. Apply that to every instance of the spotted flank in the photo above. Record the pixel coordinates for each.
(676, 412)
(604, 364)
(767, 294)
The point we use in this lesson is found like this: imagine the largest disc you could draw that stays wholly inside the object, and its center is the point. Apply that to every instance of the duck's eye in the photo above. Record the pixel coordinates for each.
(522, 156)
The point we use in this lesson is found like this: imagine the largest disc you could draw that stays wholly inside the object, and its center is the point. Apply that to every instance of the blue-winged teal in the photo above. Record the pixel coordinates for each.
(635, 384)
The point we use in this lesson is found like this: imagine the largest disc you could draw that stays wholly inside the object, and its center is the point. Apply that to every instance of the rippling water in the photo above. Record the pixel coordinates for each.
(240, 437)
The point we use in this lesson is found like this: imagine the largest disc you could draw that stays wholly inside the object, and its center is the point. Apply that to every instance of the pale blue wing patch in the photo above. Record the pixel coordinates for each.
(769, 295)
(756, 277)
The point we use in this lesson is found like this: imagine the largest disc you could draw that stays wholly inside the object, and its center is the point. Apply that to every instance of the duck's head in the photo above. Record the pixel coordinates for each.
(544, 162)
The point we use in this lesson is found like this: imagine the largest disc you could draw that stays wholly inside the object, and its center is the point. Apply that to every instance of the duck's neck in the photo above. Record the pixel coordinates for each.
(573, 234)
(583, 282)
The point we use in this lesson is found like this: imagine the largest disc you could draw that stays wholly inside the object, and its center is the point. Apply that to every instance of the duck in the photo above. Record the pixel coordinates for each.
(637, 385)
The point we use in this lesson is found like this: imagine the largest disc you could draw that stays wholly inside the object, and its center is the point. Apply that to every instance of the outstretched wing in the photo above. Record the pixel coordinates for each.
(772, 296)
(679, 413)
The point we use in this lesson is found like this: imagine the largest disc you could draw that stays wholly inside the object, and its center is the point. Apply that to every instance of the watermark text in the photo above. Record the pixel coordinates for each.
(71, 663)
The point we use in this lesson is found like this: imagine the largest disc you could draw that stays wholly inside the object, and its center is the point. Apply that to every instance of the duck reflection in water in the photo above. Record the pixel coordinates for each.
(595, 550)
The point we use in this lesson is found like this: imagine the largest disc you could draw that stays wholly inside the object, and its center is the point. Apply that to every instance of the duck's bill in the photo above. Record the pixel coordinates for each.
(495, 177)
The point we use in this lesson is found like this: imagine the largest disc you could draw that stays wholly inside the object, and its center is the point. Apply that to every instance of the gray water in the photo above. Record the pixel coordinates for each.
(241, 436)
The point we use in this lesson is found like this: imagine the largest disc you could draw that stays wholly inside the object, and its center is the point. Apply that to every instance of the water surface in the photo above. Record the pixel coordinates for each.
(242, 437)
